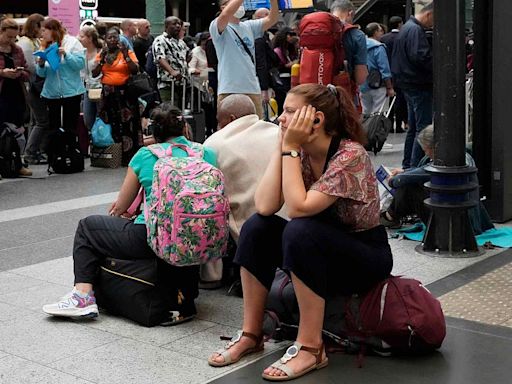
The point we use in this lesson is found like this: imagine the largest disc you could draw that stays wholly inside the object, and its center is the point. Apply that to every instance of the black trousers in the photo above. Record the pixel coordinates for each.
(70, 108)
(98, 237)
(408, 200)
(328, 259)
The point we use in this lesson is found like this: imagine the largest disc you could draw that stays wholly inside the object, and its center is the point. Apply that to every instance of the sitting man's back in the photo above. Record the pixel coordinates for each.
(244, 145)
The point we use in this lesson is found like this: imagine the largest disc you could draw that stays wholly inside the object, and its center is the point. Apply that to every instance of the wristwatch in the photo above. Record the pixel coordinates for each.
(290, 153)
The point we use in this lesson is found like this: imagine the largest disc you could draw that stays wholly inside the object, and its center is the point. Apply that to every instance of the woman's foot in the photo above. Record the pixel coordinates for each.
(74, 304)
(297, 361)
(244, 343)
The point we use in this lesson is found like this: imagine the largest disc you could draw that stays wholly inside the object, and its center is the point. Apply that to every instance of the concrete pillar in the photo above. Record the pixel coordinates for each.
(155, 13)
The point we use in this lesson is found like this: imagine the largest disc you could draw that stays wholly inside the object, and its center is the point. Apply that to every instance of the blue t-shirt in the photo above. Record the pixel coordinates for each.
(354, 42)
(236, 70)
(126, 41)
(144, 161)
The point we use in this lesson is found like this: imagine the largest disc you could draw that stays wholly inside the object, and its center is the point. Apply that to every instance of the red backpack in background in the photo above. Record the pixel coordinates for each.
(323, 54)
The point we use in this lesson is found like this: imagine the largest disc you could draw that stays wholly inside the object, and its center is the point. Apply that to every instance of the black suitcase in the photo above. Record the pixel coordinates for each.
(194, 115)
(196, 118)
(128, 288)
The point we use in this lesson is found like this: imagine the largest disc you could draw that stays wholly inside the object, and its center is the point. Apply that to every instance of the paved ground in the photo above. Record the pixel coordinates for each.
(38, 218)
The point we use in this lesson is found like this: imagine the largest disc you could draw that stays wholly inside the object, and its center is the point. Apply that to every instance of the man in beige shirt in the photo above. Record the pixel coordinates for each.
(244, 145)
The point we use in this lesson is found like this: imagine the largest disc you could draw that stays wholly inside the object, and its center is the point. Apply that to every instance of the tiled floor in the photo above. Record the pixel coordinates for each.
(486, 299)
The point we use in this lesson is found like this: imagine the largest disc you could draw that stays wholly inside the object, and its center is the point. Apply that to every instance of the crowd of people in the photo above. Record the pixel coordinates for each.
(303, 192)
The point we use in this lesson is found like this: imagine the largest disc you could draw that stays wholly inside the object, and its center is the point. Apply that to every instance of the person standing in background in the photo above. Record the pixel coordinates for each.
(398, 114)
(13, 73)
(234, 42)
(63, 88)
(142, 41)
(128, 32)
(30, 41)
(171, 55)
(412, 68)
(263, 57)
(285, 48)
(373, 92)
(90, 40)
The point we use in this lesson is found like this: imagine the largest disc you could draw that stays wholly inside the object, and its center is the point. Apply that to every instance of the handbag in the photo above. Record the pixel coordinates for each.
(101, 134)
(109, 157)
(94, 94)
(374, 79)
(139, 84)
(275, 79)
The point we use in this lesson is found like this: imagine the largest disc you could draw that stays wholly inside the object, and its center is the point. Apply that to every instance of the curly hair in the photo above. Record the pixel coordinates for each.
(168, 122)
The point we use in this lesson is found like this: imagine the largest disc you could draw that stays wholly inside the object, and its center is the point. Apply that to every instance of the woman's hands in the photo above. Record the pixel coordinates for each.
(10, 73)
(300, 130)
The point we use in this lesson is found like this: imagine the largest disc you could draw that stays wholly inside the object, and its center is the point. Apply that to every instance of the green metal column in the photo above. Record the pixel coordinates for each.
(155, 13)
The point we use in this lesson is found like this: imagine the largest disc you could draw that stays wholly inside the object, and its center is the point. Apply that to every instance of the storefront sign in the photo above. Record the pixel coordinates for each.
(67, 12)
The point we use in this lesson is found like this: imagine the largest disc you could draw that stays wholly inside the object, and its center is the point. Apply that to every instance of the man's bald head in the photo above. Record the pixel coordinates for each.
(234, 107)
(261, 13)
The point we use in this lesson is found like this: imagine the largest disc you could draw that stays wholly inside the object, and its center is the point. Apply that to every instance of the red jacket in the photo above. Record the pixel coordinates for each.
(19, 61)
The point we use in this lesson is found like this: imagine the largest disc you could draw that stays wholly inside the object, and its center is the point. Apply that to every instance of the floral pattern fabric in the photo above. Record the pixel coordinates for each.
(188, 213)
(349, 176)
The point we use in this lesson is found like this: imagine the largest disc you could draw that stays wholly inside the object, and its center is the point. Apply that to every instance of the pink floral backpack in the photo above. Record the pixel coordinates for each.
(187, 216)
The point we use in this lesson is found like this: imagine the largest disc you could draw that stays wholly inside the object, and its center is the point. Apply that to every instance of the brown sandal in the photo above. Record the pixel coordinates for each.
(227, 356)
(292, 352)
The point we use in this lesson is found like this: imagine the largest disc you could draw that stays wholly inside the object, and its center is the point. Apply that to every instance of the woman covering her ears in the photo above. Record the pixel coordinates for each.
(333, 243)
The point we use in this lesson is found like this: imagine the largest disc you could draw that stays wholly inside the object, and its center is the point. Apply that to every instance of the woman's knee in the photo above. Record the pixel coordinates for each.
(258, 226)
(298, 231)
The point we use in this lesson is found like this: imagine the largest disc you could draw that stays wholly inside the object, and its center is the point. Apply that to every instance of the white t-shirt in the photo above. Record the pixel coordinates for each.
(236, 71)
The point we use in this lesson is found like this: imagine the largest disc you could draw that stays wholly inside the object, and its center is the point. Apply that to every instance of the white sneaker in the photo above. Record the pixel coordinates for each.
(73, 305)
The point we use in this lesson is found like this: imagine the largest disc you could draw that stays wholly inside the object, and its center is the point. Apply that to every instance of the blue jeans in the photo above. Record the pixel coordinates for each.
(419, 106)
(90, 110)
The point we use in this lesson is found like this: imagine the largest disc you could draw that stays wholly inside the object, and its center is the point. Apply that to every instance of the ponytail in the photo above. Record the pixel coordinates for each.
(349, 118)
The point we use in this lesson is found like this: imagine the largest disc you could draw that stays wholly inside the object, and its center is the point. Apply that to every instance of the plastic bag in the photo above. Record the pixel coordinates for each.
(101, 134)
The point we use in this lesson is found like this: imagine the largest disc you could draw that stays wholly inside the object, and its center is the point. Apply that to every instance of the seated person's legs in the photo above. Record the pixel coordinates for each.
(259, 254)
(407, 201)
(325, 260)
(96, 238)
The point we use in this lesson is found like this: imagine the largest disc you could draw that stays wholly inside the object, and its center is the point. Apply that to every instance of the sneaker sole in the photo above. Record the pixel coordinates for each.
(89, 312)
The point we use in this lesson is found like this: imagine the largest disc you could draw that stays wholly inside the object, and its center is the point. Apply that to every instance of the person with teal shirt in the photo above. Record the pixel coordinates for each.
(116, 236)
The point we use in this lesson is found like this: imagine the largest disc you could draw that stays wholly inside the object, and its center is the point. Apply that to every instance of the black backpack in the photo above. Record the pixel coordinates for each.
(377, 127)
(63, 153)
(10, 157)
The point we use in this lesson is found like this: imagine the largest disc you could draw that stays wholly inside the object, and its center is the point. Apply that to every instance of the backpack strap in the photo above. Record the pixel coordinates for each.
(158, 150)
(195, 150)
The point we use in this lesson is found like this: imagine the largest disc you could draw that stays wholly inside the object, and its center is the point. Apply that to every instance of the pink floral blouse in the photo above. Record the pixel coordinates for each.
(351, 177)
